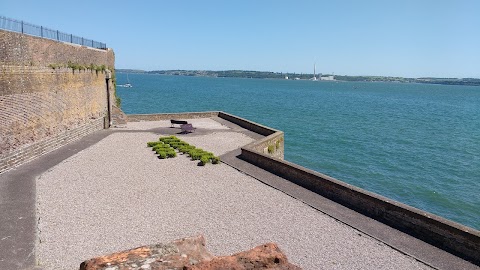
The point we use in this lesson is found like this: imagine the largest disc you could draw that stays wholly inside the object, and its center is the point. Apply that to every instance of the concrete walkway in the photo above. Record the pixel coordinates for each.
(108, 192)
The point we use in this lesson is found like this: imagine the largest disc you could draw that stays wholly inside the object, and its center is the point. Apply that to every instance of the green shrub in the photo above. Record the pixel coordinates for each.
(165, 148)
(169, 138)
(181, 144)
(215, 160)
(191, 151)
(277, 144)
(171, 153)
(162, 154)
(160, 146)
(196, 154)
(152, 144)
(175, 144)
(204, 160)
(185, 148)
(208, 154)
(270, 149)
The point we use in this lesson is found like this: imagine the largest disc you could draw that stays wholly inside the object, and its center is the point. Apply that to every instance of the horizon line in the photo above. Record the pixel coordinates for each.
(301, 73)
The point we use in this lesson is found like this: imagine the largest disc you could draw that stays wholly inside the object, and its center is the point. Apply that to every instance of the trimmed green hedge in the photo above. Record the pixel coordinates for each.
(204, 160)
(165, 148)
(152, 144)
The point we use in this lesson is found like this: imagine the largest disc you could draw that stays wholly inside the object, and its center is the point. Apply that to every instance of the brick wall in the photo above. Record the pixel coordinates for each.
(36, 149)
(39, 103)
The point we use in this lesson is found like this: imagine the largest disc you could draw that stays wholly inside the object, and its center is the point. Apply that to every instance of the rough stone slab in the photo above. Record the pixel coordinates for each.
(267, 256)
(174, 255)
(190, 254)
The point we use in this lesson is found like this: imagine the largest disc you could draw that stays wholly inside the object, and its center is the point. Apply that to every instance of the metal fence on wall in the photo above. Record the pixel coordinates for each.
(40, 31)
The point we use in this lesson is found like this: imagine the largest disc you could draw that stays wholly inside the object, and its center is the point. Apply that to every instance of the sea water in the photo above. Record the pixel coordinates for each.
(418, 144)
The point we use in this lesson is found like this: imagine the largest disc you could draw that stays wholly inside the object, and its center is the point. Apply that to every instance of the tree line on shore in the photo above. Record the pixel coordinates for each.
(305, 76)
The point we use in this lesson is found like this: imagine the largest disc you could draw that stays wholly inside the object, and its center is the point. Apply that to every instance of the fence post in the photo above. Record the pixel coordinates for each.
(82, 41)
(57, 36)
(41, 31)
(22, 27)
(71, 38)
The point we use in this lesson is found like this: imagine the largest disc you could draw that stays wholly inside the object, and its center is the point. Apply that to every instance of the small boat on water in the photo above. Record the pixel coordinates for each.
(127, 84)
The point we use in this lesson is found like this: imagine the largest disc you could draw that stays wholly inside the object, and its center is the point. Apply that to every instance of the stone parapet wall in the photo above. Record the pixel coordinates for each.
(31, 151)
(452, 237)
(169, 116)
(247, 124)
(272, 145)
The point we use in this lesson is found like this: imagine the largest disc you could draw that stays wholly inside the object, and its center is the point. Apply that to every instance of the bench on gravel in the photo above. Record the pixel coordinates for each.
(187, 128)
(178, 122)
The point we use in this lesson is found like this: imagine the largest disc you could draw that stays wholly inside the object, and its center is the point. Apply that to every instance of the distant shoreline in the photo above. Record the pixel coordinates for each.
(301, 76)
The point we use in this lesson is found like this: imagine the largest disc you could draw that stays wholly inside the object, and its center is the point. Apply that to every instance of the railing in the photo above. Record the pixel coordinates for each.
(40, 31)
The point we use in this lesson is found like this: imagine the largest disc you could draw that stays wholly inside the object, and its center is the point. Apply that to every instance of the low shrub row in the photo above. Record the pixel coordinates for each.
(165, 146)
(163, 150)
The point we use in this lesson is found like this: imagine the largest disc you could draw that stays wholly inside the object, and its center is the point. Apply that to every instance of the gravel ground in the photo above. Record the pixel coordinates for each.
(117, 195)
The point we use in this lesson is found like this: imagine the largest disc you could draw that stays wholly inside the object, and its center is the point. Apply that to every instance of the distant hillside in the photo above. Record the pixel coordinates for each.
(234, 74)
(129, 70)
(301, 76)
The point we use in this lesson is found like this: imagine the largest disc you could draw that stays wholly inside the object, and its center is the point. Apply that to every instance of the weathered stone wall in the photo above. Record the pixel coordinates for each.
(272, 145)
(38, 102)
(169, 116)
(455, 238)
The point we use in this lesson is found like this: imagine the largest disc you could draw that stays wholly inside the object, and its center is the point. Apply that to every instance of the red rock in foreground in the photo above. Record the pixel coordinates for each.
(174, 255)
(268, 256)
(190, 254)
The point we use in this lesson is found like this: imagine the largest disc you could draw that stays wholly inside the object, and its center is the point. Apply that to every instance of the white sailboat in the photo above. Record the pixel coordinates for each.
(127, 84)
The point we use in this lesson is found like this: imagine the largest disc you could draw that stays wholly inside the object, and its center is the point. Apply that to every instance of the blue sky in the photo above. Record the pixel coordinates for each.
(391, 38)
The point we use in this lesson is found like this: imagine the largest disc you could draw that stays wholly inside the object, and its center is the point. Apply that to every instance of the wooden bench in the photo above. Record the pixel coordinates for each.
(178, 122)
(187, 128)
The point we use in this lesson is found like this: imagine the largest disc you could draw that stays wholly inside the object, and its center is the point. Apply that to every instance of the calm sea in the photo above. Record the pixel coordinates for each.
(415, 143)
